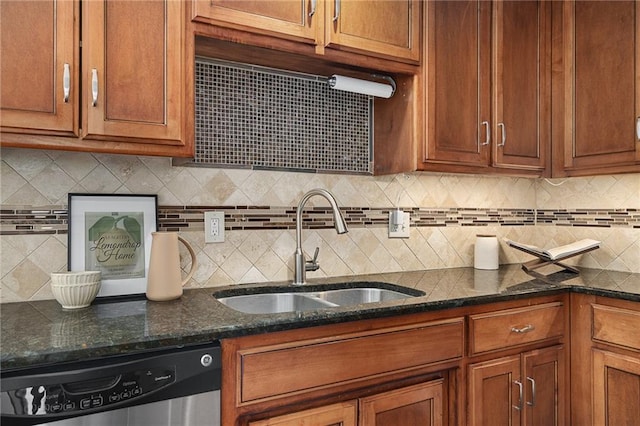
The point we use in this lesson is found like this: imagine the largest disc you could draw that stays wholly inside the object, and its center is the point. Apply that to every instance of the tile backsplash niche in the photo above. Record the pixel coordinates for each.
(447, 211)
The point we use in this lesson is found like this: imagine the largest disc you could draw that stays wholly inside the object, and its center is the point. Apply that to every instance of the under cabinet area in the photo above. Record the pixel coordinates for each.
(398, 368)
(413, 405)
(342, 414)
(491, 113)
(385, 29)
(511, 384)
(521, 389)
(605, 352)
(113, 84)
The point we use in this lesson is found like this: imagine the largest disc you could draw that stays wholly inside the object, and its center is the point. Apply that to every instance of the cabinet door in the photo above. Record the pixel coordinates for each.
(522, 80)
(386, 28)
(602, 74)
(132, 69)
(616, 395)
(458, 81)
(341, 414)
(38, 66)
(495, 393)
(293, 19)
(419, 405)
(544, 385)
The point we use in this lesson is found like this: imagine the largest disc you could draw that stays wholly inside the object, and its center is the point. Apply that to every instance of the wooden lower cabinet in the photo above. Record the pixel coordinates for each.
(341, 414)
(417, 405)
(605, 361)
(522, 389)
(616, 389)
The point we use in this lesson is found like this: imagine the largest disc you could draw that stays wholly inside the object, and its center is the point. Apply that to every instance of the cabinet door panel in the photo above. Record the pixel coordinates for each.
(306, 365)
(36, 41)
(341, 414)
(419, 405)
(136, 57)
(616, 380)
(387, 28)
(544, 384)
(494, 393)
(604, 37)
(522, 78)
(287, 18)
(458, 81)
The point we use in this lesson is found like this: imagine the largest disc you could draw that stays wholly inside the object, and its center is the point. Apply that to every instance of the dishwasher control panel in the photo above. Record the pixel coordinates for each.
(88, 394)
(46, 394)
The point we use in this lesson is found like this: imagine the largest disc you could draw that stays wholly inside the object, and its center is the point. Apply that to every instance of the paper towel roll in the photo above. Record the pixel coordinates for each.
(486, 252)
(365, 87)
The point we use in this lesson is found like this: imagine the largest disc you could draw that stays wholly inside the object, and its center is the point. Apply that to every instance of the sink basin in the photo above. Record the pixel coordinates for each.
(273, 303)
(290, 301)
(355, 296)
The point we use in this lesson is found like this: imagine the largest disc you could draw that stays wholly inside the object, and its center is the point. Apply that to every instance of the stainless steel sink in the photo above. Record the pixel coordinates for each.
(287, 301)
(273, 303)
(356, 296)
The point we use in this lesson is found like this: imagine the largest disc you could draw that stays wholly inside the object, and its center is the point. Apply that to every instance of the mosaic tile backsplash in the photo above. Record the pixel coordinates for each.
(254, 117)
(447, 211)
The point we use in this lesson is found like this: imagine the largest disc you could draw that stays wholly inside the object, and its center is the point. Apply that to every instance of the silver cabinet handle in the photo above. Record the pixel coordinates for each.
(504, 134)
(313, 8)
(337, 12)
(519, 384)
(638, 127)
(94, 86)
(66, 82)
(527, 328)
(533, 392)
(487, 133)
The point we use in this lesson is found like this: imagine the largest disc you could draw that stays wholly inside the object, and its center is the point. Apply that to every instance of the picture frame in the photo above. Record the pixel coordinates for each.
(112, 233)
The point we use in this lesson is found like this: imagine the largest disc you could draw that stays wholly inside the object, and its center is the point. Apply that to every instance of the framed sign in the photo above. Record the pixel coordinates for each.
(112, 234)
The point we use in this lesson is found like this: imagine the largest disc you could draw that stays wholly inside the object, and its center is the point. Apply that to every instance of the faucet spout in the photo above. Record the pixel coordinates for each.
(301, 265)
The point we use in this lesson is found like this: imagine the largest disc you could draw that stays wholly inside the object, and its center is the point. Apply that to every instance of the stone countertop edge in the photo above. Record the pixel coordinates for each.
(42, 333)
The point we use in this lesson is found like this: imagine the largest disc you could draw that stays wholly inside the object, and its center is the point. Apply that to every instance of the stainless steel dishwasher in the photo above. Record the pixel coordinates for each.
(174, 387)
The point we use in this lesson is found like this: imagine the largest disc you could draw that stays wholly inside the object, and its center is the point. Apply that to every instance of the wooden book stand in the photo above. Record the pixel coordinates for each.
(544, 260)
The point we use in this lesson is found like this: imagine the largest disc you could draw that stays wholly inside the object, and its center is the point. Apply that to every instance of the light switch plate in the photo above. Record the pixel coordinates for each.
(400, 231)
(213, 227)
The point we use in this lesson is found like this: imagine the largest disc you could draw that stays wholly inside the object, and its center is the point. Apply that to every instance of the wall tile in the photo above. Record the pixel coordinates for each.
(457, 206)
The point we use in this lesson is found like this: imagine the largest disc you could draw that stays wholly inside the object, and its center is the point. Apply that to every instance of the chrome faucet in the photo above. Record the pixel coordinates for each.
(303, 265)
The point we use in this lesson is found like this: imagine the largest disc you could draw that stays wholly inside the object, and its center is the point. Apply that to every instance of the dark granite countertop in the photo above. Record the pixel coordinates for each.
(42, 333)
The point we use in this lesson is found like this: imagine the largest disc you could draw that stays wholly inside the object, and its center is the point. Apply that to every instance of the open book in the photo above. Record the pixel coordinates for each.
(557, 253)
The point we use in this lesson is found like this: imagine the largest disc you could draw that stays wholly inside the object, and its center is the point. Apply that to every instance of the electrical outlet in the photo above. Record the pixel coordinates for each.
(401, 230)
(213, 227)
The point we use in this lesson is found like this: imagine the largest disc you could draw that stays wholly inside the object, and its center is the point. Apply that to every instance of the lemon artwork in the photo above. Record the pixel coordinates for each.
(115, 244)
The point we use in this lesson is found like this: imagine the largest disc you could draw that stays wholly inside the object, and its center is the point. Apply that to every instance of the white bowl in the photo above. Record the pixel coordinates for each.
(75, 289)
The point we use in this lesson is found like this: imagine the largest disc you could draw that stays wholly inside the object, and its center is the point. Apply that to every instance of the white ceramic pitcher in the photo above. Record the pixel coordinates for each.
(165, 280)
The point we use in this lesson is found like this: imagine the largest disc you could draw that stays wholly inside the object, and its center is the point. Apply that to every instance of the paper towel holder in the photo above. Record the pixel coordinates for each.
(364, 87)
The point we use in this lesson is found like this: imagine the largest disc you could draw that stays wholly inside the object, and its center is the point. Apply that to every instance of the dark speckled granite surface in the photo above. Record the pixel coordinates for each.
(41, 333)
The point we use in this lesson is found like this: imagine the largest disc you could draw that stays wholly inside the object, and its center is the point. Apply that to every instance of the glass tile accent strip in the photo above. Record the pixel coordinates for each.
(260, 118)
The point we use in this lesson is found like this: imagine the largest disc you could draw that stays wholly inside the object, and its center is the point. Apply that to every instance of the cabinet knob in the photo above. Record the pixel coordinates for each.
(519, 384)
(532, 403)
(527, 328)
(94, 86)
(336, 15)
(313, 8)
(66, 82)
(504, 134)
(487, 133)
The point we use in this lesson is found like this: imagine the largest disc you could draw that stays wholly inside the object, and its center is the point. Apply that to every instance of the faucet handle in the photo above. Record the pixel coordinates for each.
(312, 265)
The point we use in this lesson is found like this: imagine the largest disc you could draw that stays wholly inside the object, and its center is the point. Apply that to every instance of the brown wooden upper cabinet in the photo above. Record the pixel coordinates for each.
(487, 87)
(38, 66)
(132, 95)
(600, 88)
(388, 29)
